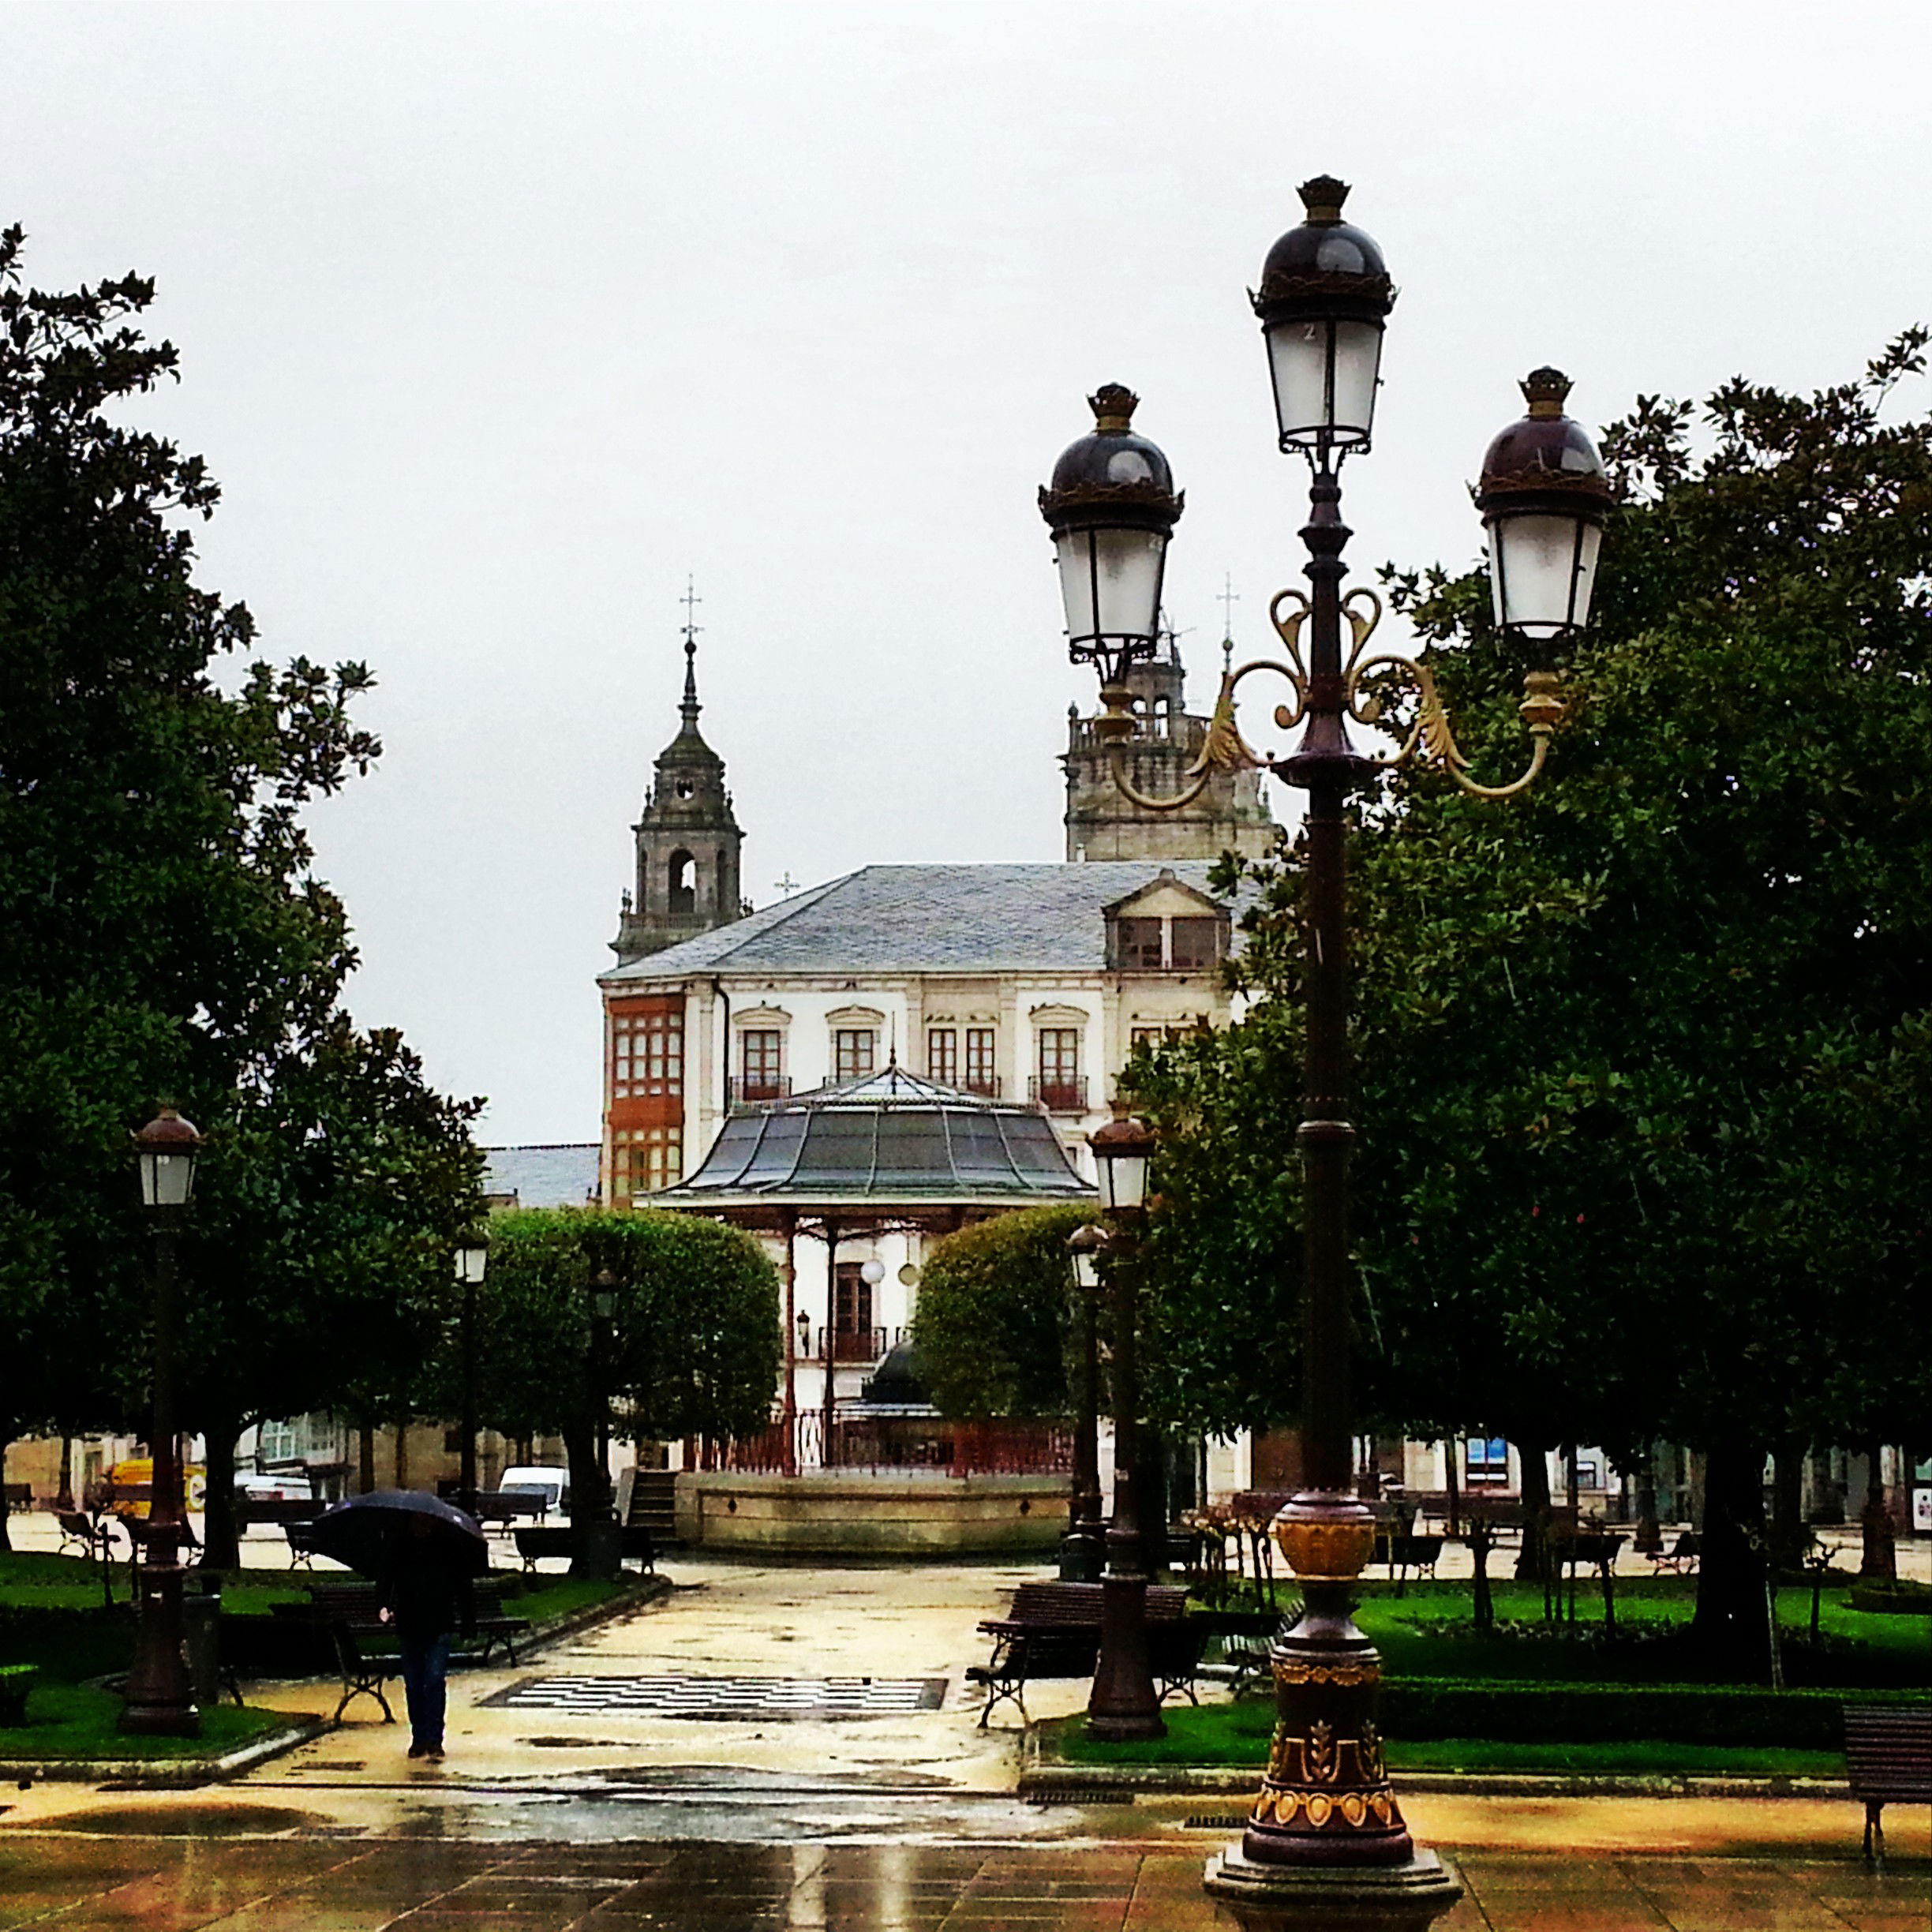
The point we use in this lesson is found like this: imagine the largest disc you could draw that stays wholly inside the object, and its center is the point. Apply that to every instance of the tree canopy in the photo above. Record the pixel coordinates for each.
(167, 935)
(1645, 1055)
(991, 1329)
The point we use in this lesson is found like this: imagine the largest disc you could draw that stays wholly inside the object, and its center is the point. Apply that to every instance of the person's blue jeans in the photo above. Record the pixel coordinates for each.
(425, 1669)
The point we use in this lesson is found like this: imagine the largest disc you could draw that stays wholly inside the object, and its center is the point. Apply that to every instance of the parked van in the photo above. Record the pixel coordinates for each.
(552, 1485)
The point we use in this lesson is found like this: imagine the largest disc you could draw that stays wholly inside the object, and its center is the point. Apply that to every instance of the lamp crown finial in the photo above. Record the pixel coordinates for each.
(1545, 390)
(1323, 196)
(1113, 404)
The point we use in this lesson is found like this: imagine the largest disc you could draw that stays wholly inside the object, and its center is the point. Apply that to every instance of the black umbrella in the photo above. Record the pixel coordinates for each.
(367, 1532)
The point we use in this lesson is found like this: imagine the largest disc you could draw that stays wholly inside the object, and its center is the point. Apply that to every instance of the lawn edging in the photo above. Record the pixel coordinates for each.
(165, 1772)
(1045, 1777)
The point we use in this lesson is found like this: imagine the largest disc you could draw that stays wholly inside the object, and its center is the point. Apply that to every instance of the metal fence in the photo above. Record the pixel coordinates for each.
(1002, 1447)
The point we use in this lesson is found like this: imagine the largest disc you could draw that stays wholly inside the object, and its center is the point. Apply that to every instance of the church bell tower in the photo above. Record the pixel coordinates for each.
(688, 839)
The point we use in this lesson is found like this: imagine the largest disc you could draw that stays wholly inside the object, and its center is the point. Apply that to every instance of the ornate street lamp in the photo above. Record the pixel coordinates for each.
(159, 1696)
(1111, 507)
(1325, 1834)
(1123, 1705)
(1082, 1549)
(472, 1259)
(1324, 292)
(1543, 496)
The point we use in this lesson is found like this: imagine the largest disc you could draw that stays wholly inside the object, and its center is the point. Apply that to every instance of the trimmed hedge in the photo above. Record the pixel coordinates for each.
(1587, 1713)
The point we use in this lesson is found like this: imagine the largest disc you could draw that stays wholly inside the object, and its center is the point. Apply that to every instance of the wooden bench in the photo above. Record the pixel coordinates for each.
(502, 1509)
(1681, 1558)
(634, 1544)
(277, 1512)
(91, 1536)
(1052, 1630)
(352, 1614)
(1888, 1759)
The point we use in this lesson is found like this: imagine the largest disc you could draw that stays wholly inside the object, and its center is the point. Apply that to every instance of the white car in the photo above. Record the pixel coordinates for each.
(267, 1488)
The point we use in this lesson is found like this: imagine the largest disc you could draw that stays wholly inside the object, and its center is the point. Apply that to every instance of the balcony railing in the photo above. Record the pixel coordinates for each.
(747, 1088)
(1059, 1095)
(848, 1345)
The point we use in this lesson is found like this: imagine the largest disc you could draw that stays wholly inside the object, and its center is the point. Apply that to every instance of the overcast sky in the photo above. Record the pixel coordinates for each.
(497, 320)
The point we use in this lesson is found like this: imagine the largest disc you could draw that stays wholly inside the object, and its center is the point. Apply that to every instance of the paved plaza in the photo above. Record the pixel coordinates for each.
(648, 1772)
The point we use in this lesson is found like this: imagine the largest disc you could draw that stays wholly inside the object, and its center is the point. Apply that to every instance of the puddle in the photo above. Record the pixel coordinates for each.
(201, 1820)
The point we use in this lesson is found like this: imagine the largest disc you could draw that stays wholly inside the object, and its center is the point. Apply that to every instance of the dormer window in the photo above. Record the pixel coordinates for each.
(1193, 944)
(1181, 942)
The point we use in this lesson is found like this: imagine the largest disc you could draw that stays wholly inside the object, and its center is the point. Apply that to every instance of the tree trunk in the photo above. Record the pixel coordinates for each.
(402, 1453)
(1878, 1551)
(1533, 1558)
(1649, 1537)
(221, 1540)
(594, 1546)
(365, 1458)
(1482, 1541)
(1730, 1624)
(1787, 1529)
(1453, 1484)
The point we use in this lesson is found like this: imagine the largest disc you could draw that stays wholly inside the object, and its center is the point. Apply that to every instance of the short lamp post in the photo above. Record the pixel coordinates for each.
(159, 1697)
(1123, 1707)
(1325, 1834)
(1082, 1549)
(472, 1260)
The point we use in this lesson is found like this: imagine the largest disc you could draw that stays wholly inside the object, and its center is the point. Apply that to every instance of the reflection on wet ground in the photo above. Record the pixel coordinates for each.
(317, 1884)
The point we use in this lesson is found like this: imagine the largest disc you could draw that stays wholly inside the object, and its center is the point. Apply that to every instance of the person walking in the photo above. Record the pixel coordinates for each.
(426, 1597)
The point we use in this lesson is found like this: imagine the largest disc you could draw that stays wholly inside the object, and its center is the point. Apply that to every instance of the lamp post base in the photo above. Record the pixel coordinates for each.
(1124, 1708)
(1408, 1897)
(160, 1693)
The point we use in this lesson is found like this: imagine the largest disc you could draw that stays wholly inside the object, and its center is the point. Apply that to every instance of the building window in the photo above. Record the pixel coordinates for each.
(854, 1338)
(647, 1053)
(1486, 1464)
(662, 1157)
(980, 1076)
(1195, 946)
(942, 1055)
(761, 1064)
(1060, 1088)
(1138, 943)
(1166, 1036)
(854, 1050)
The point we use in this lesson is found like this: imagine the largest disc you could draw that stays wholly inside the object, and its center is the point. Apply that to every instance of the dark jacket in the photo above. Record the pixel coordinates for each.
(426, 1593)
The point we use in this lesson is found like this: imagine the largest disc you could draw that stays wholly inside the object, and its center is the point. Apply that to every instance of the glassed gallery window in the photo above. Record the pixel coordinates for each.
(663, 1157)
(647, 1053)
(1139, 944)
(1195, 944)
(855, 1052)
(981, 1044)
(942, 1055)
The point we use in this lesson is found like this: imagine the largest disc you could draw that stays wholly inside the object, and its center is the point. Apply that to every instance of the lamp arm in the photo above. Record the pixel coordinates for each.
(1542, 709)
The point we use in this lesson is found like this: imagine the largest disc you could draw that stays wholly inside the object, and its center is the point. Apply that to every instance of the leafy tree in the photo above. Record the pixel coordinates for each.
(694, 1348)
(167, 936)
(1644, 1056)
(992, 1327)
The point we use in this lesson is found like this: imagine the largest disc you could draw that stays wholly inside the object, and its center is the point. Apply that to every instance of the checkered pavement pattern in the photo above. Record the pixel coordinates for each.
(747, 1700)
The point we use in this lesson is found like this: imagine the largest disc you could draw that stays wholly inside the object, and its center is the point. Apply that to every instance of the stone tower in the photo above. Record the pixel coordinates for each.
(1230, 814)
(687, 841)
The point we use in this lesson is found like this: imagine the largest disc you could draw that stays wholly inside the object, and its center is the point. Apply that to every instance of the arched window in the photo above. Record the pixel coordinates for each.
(681, 876)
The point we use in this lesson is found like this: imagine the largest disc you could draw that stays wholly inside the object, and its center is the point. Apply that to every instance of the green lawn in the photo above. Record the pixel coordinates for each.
(78, 1720)
(1237, 1735)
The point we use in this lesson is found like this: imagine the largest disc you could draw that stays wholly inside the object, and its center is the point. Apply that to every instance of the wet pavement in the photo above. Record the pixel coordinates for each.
(629, 1817)
(303, 1884)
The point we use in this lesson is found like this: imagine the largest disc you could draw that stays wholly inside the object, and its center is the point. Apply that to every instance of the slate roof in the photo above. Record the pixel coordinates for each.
(564, 1176)
(889, 1136)
(926, 918)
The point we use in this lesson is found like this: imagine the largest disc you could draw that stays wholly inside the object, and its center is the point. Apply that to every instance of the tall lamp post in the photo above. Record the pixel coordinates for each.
(602, 1545)
(1083, 1548)
(159, 1697)
(1123, 1707)
(1326, 1833)
(472, 1260)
